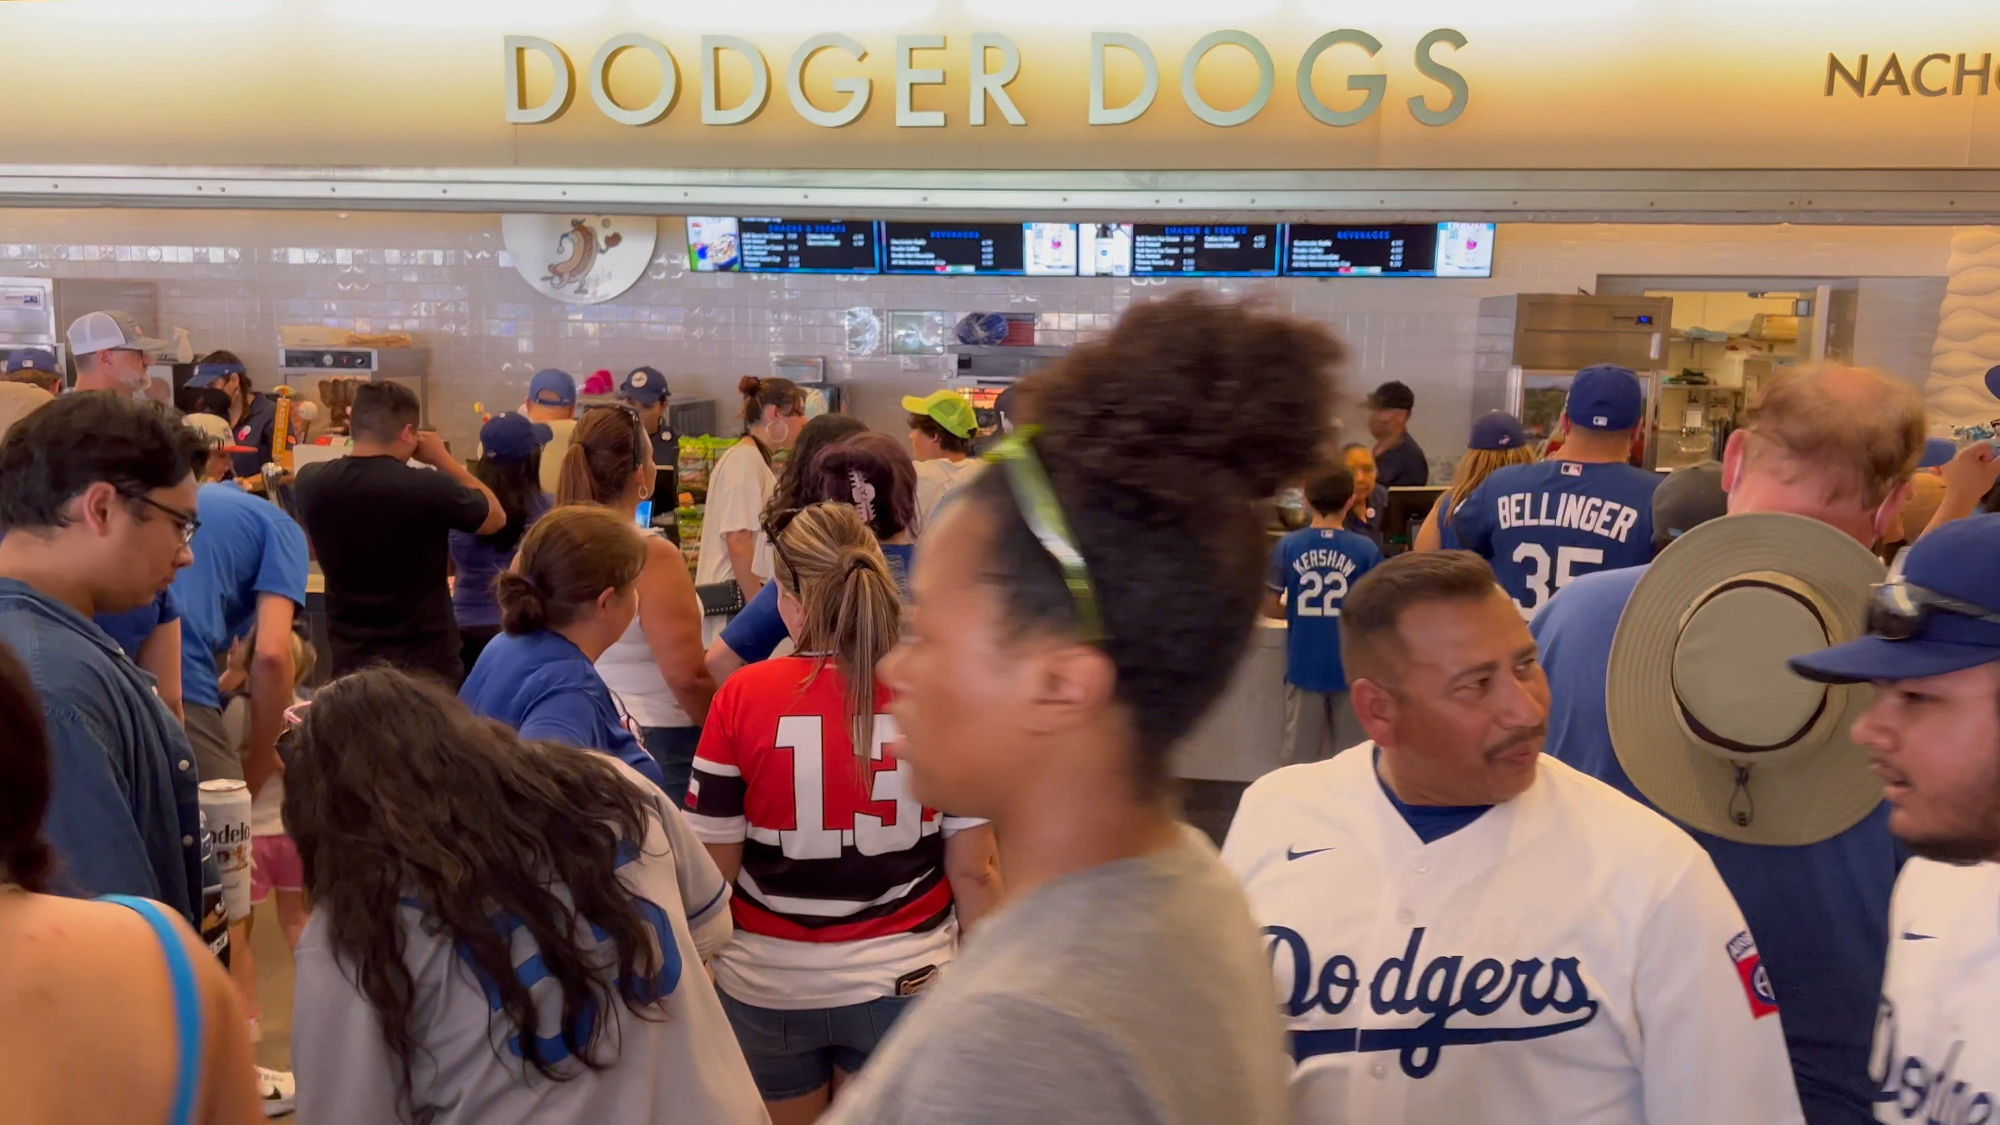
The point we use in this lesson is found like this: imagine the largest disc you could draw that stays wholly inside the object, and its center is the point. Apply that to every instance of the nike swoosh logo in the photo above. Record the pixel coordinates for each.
(1294, 853)
(1908, 936)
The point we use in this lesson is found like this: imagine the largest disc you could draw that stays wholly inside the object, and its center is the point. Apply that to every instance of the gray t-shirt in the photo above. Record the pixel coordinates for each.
(1132, 992)
(684, 1068)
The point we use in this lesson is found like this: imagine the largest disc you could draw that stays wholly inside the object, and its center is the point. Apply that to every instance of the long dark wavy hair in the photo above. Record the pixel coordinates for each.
(396, 794)
(518, 487)
(814, 437)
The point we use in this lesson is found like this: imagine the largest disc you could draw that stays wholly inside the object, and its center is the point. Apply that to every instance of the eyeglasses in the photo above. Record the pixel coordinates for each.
(1899, 611)
(1042, 512)
(185, 522)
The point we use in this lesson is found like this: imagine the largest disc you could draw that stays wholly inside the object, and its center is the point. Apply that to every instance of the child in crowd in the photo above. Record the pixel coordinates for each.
(274, 860)
(1311, 572)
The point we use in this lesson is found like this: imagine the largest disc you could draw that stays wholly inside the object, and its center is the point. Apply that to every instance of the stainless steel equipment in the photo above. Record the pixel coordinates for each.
(1530, 345)
(28, 316)
(999, 365)
(304, 369)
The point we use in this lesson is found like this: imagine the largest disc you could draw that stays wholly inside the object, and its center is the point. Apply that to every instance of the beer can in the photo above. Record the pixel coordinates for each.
(225, 814)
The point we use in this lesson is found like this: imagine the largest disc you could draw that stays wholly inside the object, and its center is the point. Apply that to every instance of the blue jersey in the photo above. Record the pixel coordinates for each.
(1541, 525)
(1314, 568)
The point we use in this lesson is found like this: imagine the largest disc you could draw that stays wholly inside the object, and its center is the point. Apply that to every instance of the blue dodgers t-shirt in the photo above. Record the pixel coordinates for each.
(131, 628)
(755, 633)
(1314, 568)
(543, 686)
(1544, 524)
(1820, 913)
(477, 561)
(247, 546)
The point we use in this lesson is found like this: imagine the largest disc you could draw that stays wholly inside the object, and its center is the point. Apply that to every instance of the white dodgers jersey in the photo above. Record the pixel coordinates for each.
(1937, 1036)
(1569, 956)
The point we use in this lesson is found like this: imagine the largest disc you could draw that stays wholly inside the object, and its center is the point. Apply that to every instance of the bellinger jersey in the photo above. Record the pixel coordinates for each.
(1543, 524)
(1314, 568)
(1566, 956)
(842, 896)
(1937, 1050)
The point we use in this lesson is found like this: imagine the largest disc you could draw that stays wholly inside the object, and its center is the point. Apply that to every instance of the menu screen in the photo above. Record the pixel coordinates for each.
(1030, 249)
(807, 246)
(1204, 251)
(1390, 250)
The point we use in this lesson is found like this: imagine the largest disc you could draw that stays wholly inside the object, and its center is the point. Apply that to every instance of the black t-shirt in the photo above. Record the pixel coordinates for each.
(381, 531)
(666, 482)
(1403, 465)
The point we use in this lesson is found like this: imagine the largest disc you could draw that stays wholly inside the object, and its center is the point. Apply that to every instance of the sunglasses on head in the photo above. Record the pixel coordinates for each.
(639, 441)
(1899, 611)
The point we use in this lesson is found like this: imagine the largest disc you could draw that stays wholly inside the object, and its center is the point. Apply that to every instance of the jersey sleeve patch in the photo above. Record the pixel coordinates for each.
(1756, 979)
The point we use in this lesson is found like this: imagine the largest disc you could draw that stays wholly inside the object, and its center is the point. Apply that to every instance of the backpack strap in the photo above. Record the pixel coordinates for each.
(187, 1002)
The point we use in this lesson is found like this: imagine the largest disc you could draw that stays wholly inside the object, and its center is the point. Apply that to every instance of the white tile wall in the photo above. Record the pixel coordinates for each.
(232, 277)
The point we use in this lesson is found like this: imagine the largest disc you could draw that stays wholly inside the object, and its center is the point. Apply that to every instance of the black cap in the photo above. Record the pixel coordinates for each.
(1393, 395)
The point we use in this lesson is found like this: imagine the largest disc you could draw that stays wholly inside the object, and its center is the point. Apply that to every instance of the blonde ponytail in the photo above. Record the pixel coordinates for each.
(829, 560)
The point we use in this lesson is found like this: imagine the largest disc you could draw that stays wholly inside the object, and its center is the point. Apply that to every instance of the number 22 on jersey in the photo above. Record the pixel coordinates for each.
(1544, 579)
(822, 803)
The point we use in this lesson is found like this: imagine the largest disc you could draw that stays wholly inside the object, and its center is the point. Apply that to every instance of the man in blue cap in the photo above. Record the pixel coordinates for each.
(36, 366)
(253, 417)
(1933, 738)
(552, 402)
(646, 390)
(1541, 525)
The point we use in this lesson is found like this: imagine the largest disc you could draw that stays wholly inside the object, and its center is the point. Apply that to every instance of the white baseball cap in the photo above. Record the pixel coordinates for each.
(105, 331)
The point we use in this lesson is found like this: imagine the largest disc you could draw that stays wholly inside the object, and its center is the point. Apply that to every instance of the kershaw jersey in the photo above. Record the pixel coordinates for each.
(1567, 956)
(1543, 524)
(1314, 568)
(842, 896)
(1937, 1037)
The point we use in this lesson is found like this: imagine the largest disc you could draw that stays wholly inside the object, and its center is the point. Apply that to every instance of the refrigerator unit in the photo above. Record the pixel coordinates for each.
(1530, 345)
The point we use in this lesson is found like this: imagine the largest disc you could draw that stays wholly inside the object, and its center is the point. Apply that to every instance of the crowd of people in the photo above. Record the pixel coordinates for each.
(871, 817)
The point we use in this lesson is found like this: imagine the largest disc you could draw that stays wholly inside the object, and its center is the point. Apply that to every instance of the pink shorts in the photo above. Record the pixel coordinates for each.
(274, 865)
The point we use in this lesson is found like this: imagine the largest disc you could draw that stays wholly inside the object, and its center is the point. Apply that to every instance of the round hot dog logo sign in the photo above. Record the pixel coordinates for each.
(580, 259)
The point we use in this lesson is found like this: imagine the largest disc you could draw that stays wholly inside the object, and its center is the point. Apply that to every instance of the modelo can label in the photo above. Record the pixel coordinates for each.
(225, 816)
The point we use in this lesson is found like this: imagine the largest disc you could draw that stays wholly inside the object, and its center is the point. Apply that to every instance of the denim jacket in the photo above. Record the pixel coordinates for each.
(125, 810)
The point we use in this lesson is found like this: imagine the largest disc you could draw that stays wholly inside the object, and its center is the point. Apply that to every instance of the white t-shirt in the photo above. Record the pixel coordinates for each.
(1569, 956)
(1937, 1037)
(685, 1067)
(938, 479)
(634, 678)
(738, 487)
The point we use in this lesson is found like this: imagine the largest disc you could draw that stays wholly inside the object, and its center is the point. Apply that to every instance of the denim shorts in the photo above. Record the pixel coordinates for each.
(793, 1052)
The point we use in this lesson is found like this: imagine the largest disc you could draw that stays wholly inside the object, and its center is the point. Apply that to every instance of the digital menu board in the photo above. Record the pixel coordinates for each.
(1389, 250)
(782, 246)
(1195, 250)
(1020, 249)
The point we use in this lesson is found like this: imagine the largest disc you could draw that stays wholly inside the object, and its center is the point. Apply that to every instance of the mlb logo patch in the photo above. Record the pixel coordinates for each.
(1756, 979)
(1572, 468)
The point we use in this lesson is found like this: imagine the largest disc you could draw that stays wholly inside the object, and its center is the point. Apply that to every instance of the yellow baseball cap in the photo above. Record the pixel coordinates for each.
(947, 409)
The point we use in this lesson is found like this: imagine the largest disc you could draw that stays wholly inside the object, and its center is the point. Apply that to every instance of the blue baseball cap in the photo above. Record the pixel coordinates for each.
(1497, 431)
(1605, 397)
(1938, 451)
(209, 374)
(550, 387)
(31, 359)
(512, 437)
(1940, 615)
(644, 386)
